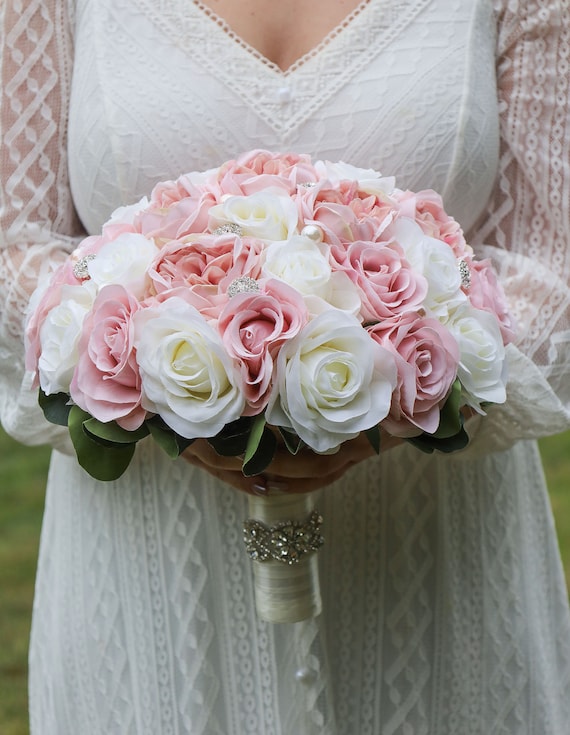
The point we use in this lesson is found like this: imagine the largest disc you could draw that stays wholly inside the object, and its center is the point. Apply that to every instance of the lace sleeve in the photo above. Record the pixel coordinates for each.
(38, 224)
(526, 229)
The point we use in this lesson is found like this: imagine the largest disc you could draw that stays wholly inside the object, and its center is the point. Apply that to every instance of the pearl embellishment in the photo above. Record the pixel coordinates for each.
(305, 676)
(313, 232)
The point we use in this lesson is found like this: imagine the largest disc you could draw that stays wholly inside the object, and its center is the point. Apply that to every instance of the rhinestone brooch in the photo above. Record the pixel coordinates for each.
(243, 284)
(228, 229)
(287, 542)
(465, 274)
(81, 270)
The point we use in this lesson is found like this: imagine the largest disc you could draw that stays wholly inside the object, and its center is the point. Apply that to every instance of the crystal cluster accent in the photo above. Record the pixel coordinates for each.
(307, 184)
(81, 270)
(243, 284)
(287, 542)
(465, 274)
(230, 228)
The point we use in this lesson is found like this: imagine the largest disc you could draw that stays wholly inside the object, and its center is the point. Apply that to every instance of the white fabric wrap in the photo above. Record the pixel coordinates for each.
(285, 593)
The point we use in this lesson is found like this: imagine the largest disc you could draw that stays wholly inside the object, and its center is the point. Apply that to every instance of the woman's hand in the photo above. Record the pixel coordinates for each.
(300, 473)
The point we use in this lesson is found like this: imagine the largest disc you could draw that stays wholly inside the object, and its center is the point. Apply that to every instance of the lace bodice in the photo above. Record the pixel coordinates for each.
(444, 605)
(298, 109)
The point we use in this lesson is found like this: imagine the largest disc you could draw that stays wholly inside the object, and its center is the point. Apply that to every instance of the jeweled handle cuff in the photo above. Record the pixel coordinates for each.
(281, 538)
(287, 541)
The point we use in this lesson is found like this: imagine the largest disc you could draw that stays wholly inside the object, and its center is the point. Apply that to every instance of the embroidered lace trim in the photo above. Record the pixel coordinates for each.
(330, 36)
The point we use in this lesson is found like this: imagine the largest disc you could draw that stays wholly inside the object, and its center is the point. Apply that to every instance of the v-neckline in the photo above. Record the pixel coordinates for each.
(284, 100)
(223, 26)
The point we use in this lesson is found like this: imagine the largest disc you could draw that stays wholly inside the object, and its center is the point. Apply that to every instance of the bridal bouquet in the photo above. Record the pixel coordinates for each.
(272, 299)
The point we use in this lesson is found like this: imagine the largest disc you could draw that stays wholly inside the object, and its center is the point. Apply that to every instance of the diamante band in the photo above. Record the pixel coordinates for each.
(287, 542)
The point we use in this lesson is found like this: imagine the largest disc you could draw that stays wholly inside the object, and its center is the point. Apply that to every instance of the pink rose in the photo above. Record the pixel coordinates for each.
(373, 214)
(426, 208)
(178, 208)
(265, 162)
(387, 283)
(177, 219)
(208, 260)
(92, 245)
(192, 185)
(427, 357)
(253, 326)
(245, 183)
(311, 199)
(254, 171)
(167, 194)
(338, 222)
(345, 216)
(208, 300)
(205, 261)
(106, 382)
(485, 292)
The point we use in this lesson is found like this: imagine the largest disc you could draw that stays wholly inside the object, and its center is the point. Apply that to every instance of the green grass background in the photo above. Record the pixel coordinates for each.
(22, 482)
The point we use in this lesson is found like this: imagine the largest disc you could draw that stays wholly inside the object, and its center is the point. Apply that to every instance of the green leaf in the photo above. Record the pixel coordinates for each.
(56, 407)
(451, 418)
(428, 442)
(293, 442)
(166, 438)
(260, 448)
(232, 440)
(450, 435)
(373, 435)
(112, 433)
(101, 462)
(254, 438)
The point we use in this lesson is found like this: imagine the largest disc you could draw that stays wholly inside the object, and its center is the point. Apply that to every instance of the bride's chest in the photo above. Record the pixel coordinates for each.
(283, 32)
(161, 87)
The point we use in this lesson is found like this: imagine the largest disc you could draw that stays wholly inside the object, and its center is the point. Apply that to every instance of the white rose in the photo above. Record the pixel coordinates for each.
(482, 364)
(369, 181)
(124, 261)
(333, 381)
(301, 263)
(263, 215)
(341, 293)
(59, 337)
(436, 261)
(198, 179)
(187, 376)
(126, 215)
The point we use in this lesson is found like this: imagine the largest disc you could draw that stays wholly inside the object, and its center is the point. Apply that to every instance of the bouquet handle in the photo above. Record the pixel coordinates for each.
(282, 536)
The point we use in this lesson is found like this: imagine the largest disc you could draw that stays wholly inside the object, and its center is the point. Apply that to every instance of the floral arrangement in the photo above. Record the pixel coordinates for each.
(274, 296)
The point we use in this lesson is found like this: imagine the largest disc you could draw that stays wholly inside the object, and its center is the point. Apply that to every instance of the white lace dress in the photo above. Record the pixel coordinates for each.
(445, 611)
